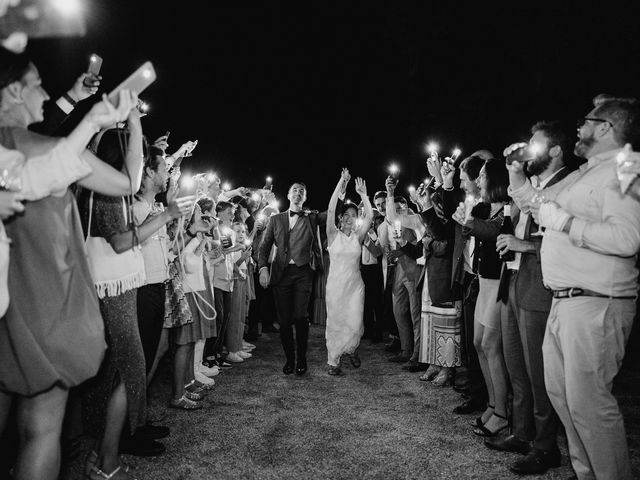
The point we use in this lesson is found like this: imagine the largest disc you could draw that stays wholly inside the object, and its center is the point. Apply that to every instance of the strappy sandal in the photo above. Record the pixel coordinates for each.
(483, 431)
(477, 423)
(92, 458)
(96, 474)
(183, 403)
(200, 387)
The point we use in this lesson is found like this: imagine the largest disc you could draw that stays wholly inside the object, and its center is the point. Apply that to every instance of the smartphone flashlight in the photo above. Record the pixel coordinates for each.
(394, 171)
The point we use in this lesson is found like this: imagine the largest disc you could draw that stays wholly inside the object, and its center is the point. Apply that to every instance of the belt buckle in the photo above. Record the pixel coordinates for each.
(578, 292)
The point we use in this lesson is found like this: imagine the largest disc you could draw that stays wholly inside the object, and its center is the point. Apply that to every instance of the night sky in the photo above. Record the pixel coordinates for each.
(298, 91)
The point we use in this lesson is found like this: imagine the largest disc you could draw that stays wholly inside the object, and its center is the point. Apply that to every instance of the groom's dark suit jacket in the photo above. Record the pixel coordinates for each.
(300, 244)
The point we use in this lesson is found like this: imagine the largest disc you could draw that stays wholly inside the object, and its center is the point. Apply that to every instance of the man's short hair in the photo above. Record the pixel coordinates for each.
(400, 199)
(472, 166)
(222, 205)
(556, 133)
(206, 204)
(297, 183)
(379, 194)
(624, 115)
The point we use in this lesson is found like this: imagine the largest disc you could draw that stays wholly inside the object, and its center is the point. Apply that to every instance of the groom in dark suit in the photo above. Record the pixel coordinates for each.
(295, 234)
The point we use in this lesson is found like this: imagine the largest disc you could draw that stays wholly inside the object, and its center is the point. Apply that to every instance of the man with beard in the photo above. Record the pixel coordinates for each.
(524, 315)
(588, 255)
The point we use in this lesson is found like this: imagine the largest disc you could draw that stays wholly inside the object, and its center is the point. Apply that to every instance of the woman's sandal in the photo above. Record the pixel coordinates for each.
(430, 374)
(443, 379)
(477, 423)
(183, 403)
(207, 387)
(483, 431)
(96, 474)
(92, 458)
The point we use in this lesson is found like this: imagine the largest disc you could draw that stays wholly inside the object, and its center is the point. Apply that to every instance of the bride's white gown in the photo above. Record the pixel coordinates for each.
(344, 297)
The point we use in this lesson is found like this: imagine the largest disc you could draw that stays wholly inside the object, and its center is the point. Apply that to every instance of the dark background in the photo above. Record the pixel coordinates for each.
(298, 91)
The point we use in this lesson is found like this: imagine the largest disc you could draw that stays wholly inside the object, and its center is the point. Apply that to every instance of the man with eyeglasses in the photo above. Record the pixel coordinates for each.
(588, 255)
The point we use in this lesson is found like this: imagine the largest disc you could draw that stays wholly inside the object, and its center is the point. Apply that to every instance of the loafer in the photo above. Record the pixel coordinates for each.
(288, 368)
(301, 367)
(510, 443)
(537, 462)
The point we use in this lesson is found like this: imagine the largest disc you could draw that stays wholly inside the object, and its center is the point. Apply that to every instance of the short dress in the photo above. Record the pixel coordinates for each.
(52, 333)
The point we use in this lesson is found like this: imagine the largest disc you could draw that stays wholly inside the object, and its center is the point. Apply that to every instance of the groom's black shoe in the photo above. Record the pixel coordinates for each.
(301, 367)
(288, 368)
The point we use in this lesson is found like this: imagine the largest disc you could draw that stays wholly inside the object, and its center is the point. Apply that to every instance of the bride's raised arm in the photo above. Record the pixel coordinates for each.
(361, 188)
(333, 203)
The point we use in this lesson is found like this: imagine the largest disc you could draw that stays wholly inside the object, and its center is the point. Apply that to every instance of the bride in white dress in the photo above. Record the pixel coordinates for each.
(345, 289)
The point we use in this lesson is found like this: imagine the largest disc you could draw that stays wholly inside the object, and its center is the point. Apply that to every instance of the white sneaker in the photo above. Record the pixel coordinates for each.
(247, 346)
(234, 357)
(208, 371)
(244, 354)
(202, 378)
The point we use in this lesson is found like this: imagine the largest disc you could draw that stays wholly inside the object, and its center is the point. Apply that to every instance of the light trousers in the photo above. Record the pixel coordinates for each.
(583, 349)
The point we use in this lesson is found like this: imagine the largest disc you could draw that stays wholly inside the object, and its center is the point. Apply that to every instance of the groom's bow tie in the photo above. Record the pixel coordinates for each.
(292, 213)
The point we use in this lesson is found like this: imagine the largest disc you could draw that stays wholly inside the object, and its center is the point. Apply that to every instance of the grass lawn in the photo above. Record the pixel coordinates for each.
(376, 422)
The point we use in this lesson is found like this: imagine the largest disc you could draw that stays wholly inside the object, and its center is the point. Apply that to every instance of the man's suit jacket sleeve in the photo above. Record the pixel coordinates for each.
(267, 242)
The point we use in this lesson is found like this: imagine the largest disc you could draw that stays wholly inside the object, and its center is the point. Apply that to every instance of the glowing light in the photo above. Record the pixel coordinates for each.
(411, 189)
(269, 180)
(456, 153)
(144, 107)
(226, 187)
(393, 169)
(93, 59)
(535, 149)
(432, 148)
(261, 217)
(348, 201)
(211, 177)
(67, 7)
(247, 242)
(256, 197)
(226, 231)
(187, 182)
(146, 73)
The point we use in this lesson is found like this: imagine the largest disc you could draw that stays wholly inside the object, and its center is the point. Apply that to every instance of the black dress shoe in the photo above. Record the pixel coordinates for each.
(470, 406)
(288, 368)
(301, 367)
(141, 447)
(153, 432)
(537, 461)
(510, 443)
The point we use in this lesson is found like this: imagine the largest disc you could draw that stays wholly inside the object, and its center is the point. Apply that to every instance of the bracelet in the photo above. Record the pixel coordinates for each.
(68, 98)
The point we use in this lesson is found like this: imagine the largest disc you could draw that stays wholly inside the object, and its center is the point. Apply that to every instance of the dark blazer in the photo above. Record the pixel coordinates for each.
(530, 291)
(54, 117)
(450, 201)
(486, 230)
(277, 232)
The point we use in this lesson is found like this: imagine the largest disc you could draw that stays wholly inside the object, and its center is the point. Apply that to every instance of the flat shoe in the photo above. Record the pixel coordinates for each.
(183, 403)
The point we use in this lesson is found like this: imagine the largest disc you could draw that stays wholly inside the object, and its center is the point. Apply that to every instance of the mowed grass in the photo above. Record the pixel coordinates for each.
(375, 422)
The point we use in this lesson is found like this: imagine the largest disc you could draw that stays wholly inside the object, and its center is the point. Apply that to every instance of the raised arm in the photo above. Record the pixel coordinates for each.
(332, 231)
(361, 188)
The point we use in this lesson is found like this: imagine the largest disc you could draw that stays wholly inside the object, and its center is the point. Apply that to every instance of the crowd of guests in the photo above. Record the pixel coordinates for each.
(513, 281)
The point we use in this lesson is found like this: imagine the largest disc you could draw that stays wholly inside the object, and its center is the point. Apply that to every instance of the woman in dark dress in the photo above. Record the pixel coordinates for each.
(51, 337)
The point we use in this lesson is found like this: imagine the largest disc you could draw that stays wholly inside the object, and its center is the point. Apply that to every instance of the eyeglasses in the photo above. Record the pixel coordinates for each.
(582, 121)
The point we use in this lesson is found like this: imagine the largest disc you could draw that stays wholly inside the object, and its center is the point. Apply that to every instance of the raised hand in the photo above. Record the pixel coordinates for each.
(361, 187)
(390, 184)
(80, 91)
(180, 207)
(460, 214)
(447, 171)
(103, 114)
(434, 165)
(162, 142)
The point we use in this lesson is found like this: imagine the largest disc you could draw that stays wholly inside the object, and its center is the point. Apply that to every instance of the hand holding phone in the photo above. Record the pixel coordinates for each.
(136, 82)
(93, 71)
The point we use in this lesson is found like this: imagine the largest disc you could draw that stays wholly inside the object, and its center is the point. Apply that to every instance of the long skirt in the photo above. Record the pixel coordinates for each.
(441, 329)
(124, 360)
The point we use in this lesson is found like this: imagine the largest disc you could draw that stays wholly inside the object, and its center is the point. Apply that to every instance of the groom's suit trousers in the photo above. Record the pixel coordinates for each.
(291, 295)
